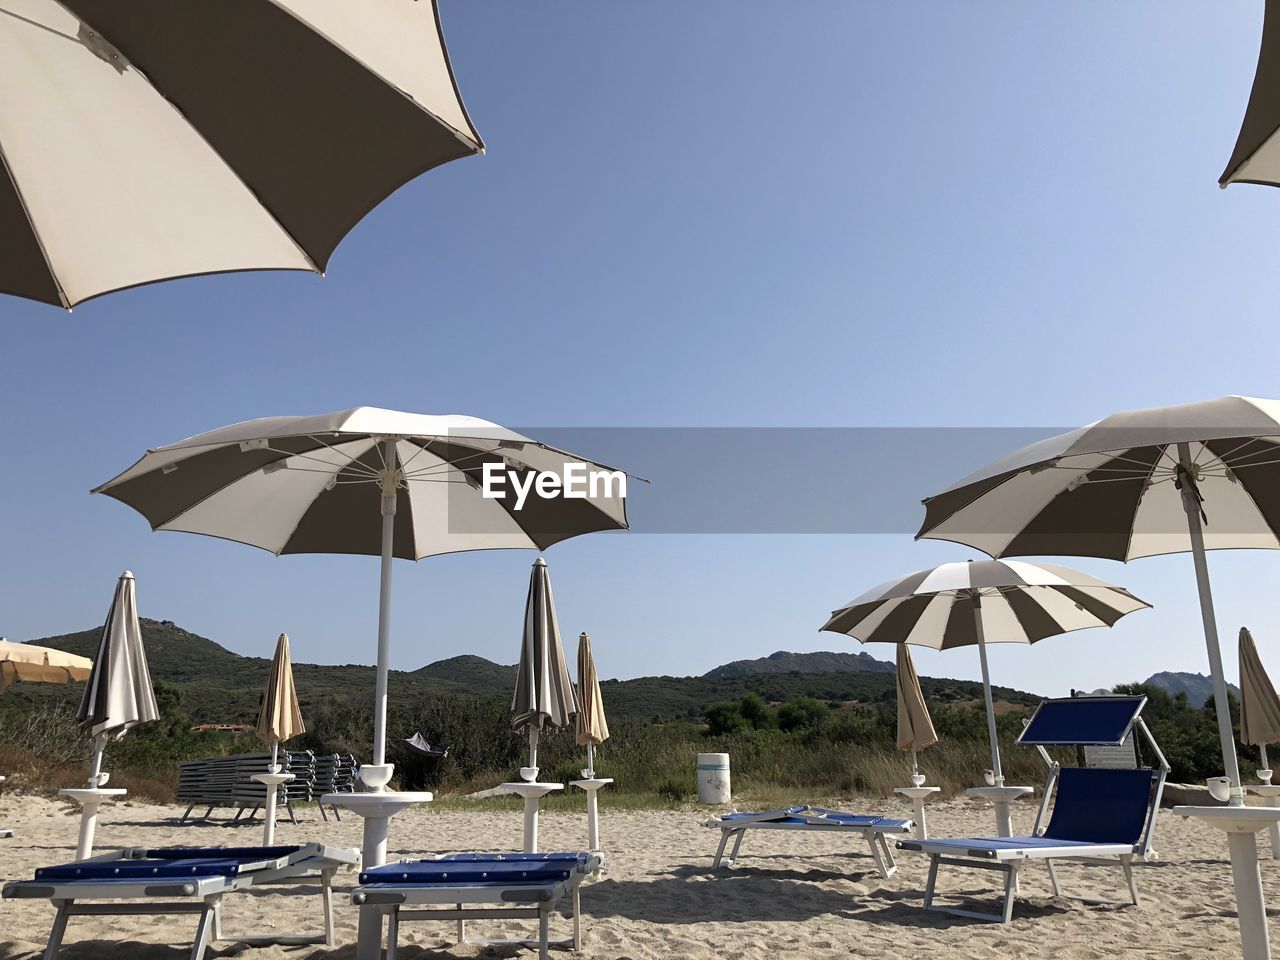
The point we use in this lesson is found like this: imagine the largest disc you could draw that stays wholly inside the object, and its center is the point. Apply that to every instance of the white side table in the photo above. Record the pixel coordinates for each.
(1002, 797)
(918, 795)
(90, 798)
(592, 787)
(532, 792)
(376, 806)
(1242, 826)
(272, 781)
(1271, 793)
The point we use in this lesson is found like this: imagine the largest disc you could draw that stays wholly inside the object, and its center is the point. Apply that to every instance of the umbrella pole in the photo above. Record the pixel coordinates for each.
(591, 760)
(1262, 748)
(1191, 504)
(533, 751)
(986, 693)
(389, 482)
(95, 767)
(915, 763)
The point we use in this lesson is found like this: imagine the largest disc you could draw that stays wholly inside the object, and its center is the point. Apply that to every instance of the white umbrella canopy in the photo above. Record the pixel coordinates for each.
(543, 698)
(32, 664)
(980, 602)
(1256, 157)
(119, 695)
(147, 140)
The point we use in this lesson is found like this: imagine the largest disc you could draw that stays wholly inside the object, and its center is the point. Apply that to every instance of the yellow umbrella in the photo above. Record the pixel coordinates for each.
(22, 661)
(281, 717)
(1259, 705)
(592, 728)
(915, 727)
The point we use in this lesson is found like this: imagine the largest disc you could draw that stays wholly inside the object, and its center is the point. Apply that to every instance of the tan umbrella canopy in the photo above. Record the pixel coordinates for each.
(593, 730)
(1256, 157)
(280, 717)
(32, 664)
(915, 726)
(147, 140)
(1259, 705)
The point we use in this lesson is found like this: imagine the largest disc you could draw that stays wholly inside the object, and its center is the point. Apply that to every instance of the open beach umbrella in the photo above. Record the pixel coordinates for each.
(1259, 705)
(1190, 477)
(147, 140)
(593, 730)
(118, 696)
(981, 602)
(280, 717)
(1256, 157)
(366, 481)
(915, 726)
(543, 698)
(31, 664)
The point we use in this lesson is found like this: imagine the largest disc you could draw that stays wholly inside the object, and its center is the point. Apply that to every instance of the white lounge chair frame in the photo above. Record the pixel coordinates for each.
(1009, 861)
(466, 902)
(202, 896)
(818, 818)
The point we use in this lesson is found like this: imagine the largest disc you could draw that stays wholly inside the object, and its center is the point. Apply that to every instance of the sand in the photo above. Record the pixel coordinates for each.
(791, 895)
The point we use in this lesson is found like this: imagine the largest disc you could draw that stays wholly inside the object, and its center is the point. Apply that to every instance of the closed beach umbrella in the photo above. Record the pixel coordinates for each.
(119, 695)
(593, 730)
(147, 140)
(981, 602)
(1256, 157)
(543, 698)
(32, 664)
(280, 717)
(1190, 477)
(915, 726)
(1259, 705)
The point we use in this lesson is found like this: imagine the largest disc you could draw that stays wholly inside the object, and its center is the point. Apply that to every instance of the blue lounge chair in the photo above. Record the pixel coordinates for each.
(517, 884)
(870, 828)
(1100, 816)
(180, 880)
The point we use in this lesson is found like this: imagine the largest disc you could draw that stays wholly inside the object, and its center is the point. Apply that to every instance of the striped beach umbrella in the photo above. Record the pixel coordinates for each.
(1259, 704)
(147, 140)
(980, 602)
(543, 698)
(118, 696)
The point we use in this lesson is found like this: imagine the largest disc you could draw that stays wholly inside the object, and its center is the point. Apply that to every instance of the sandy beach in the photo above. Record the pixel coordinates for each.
(810, 895)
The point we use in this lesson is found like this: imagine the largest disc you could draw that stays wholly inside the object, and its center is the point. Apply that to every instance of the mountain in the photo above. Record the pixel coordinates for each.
(784, 662)
(1196, 686)
(471, 671)
(219, 686)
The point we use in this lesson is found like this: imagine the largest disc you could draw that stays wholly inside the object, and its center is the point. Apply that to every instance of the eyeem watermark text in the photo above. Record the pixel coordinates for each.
(578, 481)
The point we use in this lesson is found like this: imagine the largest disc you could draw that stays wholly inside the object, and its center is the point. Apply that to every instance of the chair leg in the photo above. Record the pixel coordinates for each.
(322, 813)
(59, 929)
(1053, 878)
(462, 927)
(393, 932)
(932, 881)
(724, 838)
(217, 922)
(326, 893)
(577, 919)
(1010, 891)
(884, 869)
(288, 805)
(187, 814)
(737, 845)
(337, 813)
(1126, 864)
(203, 928)
(544, 933)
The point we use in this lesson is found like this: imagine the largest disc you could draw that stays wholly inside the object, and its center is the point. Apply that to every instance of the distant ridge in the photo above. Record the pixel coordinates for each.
(470, 670)
(1196, 686)
(821, 662)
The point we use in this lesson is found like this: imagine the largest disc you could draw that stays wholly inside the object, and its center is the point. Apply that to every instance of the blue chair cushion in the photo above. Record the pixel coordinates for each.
(1100, 806)
(472, 869)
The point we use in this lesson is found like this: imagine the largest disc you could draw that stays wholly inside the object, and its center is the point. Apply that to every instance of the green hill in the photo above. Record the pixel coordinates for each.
(824, 661)
(218, 685)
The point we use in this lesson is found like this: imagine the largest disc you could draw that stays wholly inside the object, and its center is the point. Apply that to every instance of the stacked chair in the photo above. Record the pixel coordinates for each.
(228, 781)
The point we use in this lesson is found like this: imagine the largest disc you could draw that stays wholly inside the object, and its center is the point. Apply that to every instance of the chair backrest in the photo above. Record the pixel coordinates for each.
(1123, 757)
(1103, 805)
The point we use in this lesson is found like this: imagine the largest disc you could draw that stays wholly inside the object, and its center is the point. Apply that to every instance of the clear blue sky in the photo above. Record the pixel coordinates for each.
(711, 214)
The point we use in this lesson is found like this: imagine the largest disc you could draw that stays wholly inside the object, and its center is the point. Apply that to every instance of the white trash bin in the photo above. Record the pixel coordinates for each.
(713, 778)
